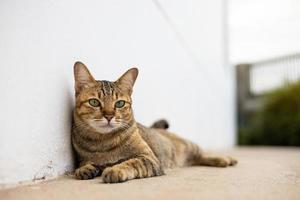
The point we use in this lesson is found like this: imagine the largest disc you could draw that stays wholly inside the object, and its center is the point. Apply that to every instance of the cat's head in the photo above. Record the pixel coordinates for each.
(103, 106)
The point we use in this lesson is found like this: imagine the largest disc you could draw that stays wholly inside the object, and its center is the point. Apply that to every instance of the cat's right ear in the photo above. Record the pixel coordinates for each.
(83, 78)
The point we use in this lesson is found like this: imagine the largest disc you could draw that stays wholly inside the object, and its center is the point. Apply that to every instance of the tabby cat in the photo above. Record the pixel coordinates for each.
(109, 142)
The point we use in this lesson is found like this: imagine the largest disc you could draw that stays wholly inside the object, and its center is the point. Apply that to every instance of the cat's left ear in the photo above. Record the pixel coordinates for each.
(127, 80)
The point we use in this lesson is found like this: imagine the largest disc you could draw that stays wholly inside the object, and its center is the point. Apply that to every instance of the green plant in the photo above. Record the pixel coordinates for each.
(278, 121)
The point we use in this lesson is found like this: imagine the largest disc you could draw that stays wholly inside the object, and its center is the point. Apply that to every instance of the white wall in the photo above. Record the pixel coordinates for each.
(178, 46)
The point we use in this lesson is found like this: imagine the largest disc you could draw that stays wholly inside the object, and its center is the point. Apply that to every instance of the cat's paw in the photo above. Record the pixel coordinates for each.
(114, 175)
(225, 161)
(86, 172)
(233, 161)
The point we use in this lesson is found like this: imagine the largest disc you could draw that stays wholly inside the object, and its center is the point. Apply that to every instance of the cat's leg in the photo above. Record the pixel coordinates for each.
(196, 156)
(87, 170)
(215, 160)
(139, 167)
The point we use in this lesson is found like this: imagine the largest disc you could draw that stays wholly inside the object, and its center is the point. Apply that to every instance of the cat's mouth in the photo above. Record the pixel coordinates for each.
(109, 125)
(103, 126)
(104, 123)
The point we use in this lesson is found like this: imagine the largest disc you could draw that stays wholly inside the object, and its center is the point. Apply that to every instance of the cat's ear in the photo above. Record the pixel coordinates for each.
(126, 81)
(83, 77)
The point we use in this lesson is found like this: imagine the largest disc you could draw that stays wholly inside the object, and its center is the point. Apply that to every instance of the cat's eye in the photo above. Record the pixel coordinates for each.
(94, 102)
(120, 104)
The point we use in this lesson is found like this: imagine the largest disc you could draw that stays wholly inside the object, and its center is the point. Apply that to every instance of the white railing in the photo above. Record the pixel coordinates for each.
(271, 74)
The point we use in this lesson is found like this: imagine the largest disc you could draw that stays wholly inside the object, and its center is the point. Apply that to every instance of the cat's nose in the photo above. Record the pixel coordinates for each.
(109, 117)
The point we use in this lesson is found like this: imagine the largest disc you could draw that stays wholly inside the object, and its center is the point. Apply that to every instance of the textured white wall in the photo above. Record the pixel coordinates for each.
(178, 46)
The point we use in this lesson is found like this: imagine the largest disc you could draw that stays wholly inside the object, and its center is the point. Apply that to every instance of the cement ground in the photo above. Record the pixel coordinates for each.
(262, 173)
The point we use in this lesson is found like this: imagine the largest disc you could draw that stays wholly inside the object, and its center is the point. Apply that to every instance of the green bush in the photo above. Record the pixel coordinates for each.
(278, 121)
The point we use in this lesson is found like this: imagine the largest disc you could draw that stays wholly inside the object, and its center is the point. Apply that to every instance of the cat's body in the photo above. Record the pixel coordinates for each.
(109, 141)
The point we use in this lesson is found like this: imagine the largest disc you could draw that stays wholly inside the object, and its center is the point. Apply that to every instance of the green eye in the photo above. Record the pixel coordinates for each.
(120, 104)
(94, 102)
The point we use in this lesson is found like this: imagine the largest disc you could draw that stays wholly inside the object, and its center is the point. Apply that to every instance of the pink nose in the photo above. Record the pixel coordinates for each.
(108, 117)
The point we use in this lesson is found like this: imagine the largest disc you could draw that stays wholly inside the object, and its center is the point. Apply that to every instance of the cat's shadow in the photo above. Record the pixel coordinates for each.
(68, 99)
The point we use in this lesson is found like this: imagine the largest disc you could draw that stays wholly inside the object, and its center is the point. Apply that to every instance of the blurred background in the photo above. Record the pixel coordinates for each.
(222, 72)
(264, 50)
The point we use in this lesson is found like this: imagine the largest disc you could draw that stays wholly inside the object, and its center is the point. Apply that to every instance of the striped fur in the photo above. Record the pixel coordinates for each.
(109, 142)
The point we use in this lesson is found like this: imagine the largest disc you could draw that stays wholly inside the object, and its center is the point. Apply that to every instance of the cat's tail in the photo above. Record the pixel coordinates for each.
(162, 124)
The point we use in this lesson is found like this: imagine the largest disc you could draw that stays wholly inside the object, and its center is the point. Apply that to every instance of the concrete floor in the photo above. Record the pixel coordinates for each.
(262, 173)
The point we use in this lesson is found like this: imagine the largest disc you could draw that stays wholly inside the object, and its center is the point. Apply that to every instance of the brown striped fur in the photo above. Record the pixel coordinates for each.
(109, 142)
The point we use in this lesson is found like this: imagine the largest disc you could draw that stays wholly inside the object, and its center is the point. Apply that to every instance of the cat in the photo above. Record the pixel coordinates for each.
(109, 142)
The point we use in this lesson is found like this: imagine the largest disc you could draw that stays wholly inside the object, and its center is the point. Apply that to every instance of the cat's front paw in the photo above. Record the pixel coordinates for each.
(86, 172)
(114, 175)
